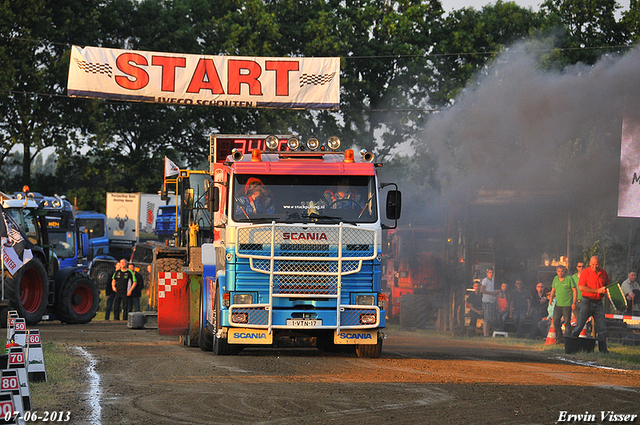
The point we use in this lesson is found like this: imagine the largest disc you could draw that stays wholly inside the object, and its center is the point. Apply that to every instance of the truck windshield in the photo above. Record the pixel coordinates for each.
(95, 226)
(63, 243)
(289, 199)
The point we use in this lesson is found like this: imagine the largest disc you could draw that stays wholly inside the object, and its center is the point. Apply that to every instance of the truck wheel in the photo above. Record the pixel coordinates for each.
(205, 337)
(220, 345)
(369, 351)
(169, 264)
(78, 300)
(28, 291)
(102, 272)
(413, 311)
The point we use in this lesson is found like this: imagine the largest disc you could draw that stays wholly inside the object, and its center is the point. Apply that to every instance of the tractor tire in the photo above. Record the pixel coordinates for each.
(169, 264)
(28, 291)
(102, 273)
(414, 311)
(78, 300)
(373, 351)
(205, 337)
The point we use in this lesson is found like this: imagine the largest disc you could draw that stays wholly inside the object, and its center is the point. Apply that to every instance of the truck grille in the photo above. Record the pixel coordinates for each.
(306, 261)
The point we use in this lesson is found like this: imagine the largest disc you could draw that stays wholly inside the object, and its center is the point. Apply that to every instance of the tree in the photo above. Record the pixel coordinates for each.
(583, 29)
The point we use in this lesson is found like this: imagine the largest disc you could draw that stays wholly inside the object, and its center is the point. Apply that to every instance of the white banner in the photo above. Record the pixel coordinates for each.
(221, 81)
(629, 186)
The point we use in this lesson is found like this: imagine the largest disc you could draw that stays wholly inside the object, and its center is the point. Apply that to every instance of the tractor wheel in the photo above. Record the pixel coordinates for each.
(369, 351)
(28, 291)
(205, 337)
(102, 272)
(78, 300)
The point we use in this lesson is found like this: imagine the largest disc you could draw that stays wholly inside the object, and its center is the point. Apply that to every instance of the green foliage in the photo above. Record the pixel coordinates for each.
(399, 60)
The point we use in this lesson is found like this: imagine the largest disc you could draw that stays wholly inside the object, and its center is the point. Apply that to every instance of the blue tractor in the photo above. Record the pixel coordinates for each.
(53, 284)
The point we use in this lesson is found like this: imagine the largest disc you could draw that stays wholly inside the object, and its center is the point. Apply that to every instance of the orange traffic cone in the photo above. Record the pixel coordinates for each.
(583, 333)
(551, 336)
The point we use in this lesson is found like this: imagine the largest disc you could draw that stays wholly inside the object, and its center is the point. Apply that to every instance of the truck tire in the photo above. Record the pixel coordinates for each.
(78, 300)
(28, 291)
(169, 264)
(102, 272)
(373, 351)
(220, 345)
(205, 337)
(414, 311)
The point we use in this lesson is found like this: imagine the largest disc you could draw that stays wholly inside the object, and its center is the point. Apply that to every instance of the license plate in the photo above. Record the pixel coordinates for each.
(304, 323)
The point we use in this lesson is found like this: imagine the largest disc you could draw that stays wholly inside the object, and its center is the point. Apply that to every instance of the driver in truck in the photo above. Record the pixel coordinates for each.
(341, 198)
(257, 199)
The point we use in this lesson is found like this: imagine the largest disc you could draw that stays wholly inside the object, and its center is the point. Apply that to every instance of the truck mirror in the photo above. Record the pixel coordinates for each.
(163, 193)
(394, 204)
(214, 199)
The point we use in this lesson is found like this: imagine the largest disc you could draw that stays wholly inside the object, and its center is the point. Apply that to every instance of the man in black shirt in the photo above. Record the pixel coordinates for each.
(539, 306)
(119, 284)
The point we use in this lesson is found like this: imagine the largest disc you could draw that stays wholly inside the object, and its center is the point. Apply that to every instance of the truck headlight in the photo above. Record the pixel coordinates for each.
(239, 318)
(368, 319)
(271, 142)
(293, 143)
(242, 299)
(365, 299)
(313, 144)
(333, 143)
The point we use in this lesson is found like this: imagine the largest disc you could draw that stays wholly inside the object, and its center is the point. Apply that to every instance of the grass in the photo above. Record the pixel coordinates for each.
(144, 301)
(62, 365)
(619, 356)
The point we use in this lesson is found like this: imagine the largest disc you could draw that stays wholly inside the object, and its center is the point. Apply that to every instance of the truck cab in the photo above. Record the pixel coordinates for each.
(296, 254)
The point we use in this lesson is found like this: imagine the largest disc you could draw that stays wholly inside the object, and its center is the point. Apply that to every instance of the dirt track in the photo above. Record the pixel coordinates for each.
(150, 379)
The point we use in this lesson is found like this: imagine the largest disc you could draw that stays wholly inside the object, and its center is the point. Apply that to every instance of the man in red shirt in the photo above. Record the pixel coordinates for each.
(592, 283)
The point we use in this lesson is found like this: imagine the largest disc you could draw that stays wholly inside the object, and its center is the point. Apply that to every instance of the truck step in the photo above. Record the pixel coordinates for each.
(143, 320)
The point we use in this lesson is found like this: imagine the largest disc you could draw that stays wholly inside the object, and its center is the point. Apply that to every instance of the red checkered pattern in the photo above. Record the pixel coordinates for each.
(166, 280)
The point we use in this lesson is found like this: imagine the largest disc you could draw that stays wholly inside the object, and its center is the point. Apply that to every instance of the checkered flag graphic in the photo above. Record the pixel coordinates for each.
(316, 79)
(94, 68)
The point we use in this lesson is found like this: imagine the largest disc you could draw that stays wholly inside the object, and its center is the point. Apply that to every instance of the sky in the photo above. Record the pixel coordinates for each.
(449, 5)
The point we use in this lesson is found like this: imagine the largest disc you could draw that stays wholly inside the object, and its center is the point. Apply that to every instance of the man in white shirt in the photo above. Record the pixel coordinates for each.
(489, 303)
(631, 290)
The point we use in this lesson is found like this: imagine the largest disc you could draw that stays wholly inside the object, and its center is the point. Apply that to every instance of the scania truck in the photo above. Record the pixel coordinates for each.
(295, 256)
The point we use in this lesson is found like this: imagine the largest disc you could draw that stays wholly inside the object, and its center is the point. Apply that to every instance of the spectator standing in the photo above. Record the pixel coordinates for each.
(110, 293)
(593, 283)
(576, 279)
(563, 289)
(135, 291)
(520, 308)
(502, 302)
(539, 310)
(631, 290)
(474, 303)
(120, 284)
(490, 313)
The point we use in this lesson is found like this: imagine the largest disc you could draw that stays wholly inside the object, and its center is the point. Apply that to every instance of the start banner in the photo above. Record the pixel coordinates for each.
(219, 81)
(629, 185)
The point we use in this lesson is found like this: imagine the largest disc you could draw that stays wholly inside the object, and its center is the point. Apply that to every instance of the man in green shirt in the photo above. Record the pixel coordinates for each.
(564, 289)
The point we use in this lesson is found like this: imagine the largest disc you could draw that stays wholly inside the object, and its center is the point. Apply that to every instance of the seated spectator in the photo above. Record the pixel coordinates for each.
(474, 303)
(631, 290)
(539, 305)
